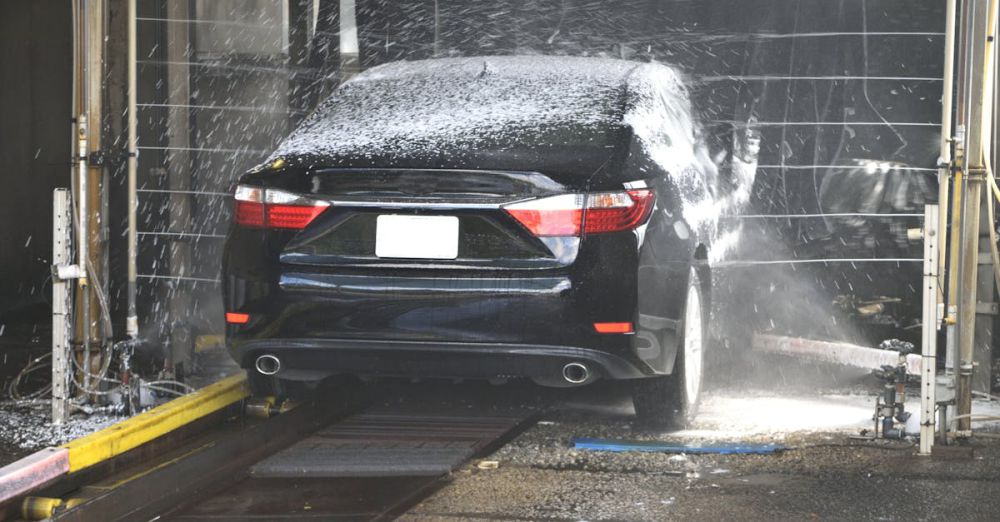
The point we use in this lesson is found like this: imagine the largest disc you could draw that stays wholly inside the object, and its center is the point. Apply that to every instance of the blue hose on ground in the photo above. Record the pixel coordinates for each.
(735, 448)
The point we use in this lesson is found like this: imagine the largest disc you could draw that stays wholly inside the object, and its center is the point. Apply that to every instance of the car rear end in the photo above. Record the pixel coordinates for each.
(439, 273)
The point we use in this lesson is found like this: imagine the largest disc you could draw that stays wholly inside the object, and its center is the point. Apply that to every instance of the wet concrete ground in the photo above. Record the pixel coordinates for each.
(823, 475)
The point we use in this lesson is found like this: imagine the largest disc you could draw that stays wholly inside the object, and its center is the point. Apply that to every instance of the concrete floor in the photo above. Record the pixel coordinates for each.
(823, 475)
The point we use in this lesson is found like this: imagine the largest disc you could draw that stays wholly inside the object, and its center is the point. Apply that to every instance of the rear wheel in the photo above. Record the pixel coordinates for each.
(672, 400)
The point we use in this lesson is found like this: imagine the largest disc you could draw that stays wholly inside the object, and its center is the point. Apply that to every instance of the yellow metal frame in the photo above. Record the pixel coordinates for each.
(136, 431)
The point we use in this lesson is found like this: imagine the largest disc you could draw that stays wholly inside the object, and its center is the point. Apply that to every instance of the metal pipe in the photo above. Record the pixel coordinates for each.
(575, 373)
(81, 243)
(967, 272)
(268, 364)
(977, 82)
(944, 160)
(132, 320)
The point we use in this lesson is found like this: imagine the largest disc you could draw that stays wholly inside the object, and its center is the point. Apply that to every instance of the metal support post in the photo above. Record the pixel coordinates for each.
(82, 236)
(61, 317)
(968, 274)
(980, 17)
(928, 351)
(945, 313)
(132, 320)
(179, 163)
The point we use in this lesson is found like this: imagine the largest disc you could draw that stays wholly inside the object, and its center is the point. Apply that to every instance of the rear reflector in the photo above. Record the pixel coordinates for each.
(237, 318)
(608, 328)
(260, 208)
(569, 214)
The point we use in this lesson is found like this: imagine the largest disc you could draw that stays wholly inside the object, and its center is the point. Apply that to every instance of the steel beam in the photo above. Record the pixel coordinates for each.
(61, 305)
(979, 20)
(179, 52)
(929, 329)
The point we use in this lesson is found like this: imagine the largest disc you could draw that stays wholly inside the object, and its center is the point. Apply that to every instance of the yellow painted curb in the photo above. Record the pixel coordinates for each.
(136, 431)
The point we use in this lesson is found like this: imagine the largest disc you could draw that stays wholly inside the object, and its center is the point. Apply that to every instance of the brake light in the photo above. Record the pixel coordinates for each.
(568, 214)
(261, 208)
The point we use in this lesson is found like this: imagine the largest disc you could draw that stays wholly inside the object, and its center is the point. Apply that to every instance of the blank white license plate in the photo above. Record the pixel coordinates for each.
(417, 237)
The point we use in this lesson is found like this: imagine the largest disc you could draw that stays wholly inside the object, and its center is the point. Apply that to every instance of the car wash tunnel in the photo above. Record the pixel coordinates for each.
(499, 260)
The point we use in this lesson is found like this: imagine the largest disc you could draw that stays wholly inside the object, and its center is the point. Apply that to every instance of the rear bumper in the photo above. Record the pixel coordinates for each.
(315, 358)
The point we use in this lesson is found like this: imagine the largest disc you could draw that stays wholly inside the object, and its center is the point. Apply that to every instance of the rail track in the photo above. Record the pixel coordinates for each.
(354, 453)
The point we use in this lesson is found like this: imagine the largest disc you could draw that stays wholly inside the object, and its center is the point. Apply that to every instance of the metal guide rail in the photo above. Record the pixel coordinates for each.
(336, 456)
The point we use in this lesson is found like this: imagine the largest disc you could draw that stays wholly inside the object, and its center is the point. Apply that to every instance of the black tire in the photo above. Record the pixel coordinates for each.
(663, 401)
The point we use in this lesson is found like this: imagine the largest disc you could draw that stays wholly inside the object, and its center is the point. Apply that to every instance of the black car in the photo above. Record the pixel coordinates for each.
(485, 218)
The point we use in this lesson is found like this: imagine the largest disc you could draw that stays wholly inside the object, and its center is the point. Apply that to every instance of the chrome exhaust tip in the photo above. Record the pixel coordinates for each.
(576, 373)
(268, 364)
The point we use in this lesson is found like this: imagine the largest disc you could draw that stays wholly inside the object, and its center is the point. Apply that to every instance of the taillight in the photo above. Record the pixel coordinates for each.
(569, 214)
(268, 208)
(552, 216)
(617, 211)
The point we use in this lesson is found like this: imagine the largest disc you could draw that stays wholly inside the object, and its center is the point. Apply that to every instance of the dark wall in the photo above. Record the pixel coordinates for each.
(845, 95)
(35, 92)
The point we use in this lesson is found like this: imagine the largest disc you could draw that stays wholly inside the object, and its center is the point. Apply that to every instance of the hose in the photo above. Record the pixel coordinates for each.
(164, 390)
(986, 396)
(187, 387)
(32, 366)
(973, 416)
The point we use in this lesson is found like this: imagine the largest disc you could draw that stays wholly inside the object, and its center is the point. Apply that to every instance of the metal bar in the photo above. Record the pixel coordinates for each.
(192, 192)
(741, 37)
(61, 305)
(679, 37)
(765, 78)
(180, 278)
(90, 200)
(32, 472)
(199, 21)
(246, 108)
(809, 261)
(179, 176)
(292, 71)
(197, 149)
(831, 215)
(182, 234)
(985, 293)
(82, 219)
(981, 16)
(132, 319)
(829, 123)
(894, 167)
(944, 160)
(123, 436)
(929, 330)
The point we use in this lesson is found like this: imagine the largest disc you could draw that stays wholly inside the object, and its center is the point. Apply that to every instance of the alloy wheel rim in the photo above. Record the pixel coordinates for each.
(692, 346)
